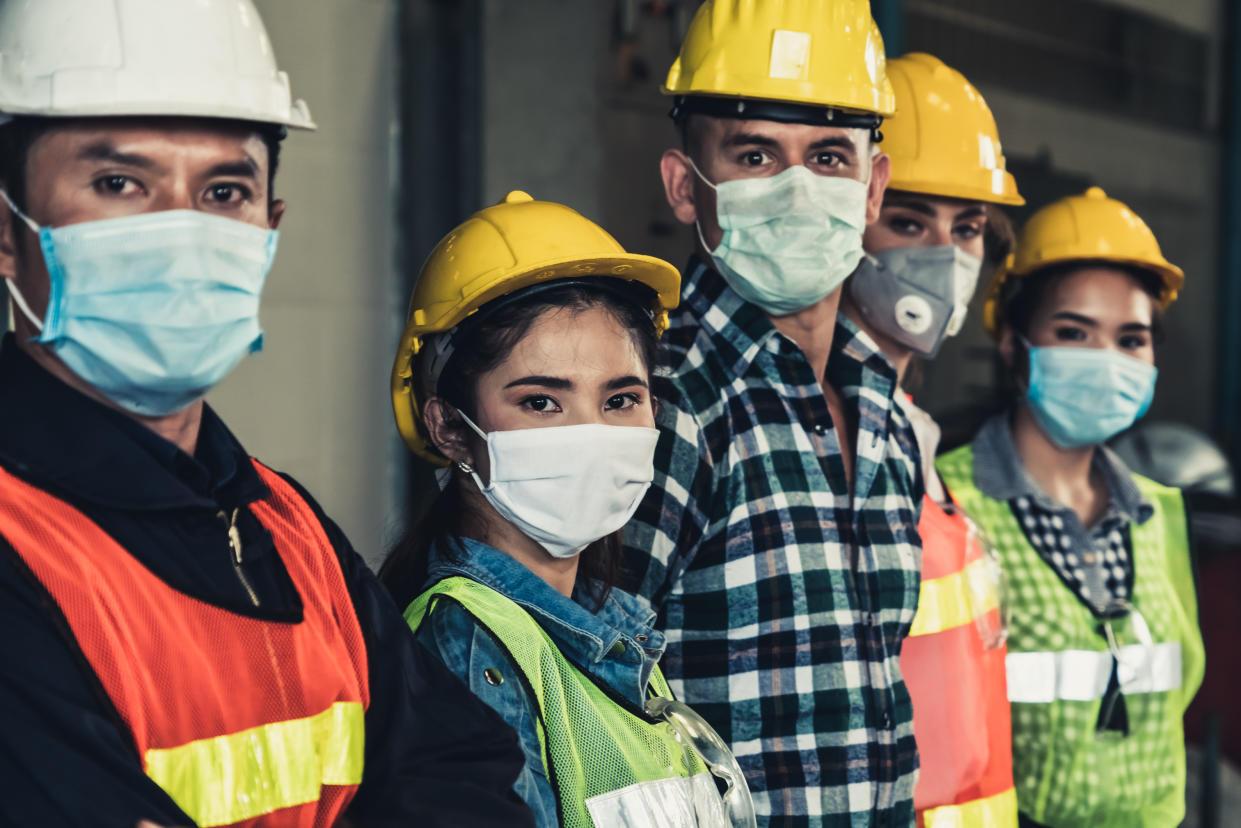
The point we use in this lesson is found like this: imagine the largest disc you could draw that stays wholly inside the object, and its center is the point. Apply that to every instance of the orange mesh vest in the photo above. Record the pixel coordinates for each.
(960, 699)
(242, 721)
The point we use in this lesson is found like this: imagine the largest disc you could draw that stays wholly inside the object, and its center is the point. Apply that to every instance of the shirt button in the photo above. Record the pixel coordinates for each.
(494, 677)
(618, 649)
(820, 429)
(887, 721)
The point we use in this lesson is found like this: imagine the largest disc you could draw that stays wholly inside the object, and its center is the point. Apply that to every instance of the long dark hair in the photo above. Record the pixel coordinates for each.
(480, 344)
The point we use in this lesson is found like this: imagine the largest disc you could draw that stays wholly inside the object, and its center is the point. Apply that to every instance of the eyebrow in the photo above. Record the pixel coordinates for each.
(838, 141)
(625, 382)
(105, 151)
(1075, 317)
(925, 208)
(245, 168)
(559, 383)
(747, 139)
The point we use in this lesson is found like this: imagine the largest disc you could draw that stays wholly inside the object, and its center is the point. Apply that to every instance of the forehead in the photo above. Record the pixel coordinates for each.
(573, 342)
(1102, 292)
(717, 130)
(154, 138)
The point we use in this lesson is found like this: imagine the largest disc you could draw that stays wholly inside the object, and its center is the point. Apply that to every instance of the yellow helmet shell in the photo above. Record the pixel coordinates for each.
(943, 140)
(1086, 227)
(819, 52)
(501, 249)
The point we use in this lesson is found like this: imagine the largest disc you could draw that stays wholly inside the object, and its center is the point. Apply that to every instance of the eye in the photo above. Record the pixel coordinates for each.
(1134, 342)
(753, 158)
(117, 185)
(228, 193)
(905, 226)
(829, 159)
(966, 232)
(540, 404)
(621, 402)
(1069, 333)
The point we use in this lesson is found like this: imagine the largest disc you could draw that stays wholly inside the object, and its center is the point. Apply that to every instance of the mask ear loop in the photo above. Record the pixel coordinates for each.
(462, 464)
(18, 299)
(698, 224)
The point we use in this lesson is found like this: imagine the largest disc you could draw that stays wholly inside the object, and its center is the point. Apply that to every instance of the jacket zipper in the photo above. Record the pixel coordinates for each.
(234, 542)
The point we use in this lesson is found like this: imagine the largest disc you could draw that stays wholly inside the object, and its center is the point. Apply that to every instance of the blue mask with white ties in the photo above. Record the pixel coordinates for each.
(153, 309)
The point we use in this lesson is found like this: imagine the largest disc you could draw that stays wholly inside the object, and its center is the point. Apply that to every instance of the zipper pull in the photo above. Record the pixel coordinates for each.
(234, 537)
(234, 543)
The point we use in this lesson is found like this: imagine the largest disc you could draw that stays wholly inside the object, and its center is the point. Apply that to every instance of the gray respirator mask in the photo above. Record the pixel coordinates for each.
(916, 296)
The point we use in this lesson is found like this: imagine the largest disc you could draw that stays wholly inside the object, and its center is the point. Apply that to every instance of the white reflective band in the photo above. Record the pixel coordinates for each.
(1082, 675)
(676, 802)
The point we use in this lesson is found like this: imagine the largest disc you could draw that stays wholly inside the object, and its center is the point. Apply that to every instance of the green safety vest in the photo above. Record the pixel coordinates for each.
(608, 762)
(1059, 664)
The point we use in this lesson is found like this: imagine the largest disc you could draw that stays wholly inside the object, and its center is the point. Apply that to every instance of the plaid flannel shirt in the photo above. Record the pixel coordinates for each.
(784, 602)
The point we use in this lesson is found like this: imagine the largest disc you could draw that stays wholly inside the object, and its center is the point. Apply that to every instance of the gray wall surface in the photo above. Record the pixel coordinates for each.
(314, 403)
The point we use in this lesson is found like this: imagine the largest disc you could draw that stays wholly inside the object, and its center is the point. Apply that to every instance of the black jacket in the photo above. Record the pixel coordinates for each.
(435, 755)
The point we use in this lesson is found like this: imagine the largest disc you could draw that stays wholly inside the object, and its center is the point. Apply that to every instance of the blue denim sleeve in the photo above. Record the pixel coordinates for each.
(470, 652)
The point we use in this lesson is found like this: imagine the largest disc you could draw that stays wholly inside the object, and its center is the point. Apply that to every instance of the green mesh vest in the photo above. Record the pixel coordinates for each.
(609, 763)
(1059, 663)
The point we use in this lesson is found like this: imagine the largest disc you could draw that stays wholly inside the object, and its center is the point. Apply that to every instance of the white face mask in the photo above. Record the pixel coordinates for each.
(789, 240)
(567, 486)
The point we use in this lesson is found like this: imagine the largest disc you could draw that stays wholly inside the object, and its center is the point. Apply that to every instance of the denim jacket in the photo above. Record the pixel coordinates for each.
(618, 645)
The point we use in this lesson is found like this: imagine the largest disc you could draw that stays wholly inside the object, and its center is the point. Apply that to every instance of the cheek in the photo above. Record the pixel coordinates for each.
(973, 246)
(879, 236)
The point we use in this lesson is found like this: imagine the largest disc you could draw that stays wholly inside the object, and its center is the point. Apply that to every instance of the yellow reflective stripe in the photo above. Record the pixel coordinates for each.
(227, 779)
(999, 811)
(947, 602)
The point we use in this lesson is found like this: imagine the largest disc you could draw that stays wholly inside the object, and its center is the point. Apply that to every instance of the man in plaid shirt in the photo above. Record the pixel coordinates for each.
(779, 539)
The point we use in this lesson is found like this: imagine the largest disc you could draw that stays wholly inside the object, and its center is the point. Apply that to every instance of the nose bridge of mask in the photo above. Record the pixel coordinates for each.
(795, 193)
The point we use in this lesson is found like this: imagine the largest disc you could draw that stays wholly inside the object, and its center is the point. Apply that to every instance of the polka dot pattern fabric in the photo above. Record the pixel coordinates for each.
(1101, 556)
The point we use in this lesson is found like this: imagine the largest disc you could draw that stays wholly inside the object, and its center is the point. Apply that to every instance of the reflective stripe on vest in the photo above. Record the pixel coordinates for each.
(999, 811)
(611, 764)
(234, 716)
(947, 602)
(1082, 675)
(229, 778)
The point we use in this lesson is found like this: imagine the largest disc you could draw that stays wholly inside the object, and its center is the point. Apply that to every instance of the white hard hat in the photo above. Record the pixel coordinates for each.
(197, 58)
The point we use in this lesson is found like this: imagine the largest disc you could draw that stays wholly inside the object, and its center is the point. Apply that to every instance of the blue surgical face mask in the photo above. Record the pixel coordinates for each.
(152, 309)
(789, 240)
(1084, 396)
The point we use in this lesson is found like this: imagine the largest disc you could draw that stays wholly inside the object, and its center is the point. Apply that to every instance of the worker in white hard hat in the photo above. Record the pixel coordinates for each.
(188, 639)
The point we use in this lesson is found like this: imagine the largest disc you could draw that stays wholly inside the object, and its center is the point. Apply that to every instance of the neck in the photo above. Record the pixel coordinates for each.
(813, 329)
(1062, 473)
(487, 526)
(897, 354)
(180, 428)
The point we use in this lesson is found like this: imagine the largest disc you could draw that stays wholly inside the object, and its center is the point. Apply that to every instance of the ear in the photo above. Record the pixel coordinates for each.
(1008, 347)
(880, 173)
(678, 175)
(447, 431)
(275, 213)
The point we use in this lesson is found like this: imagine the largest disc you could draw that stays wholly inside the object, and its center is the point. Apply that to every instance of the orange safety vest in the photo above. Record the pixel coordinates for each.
(242, 721)
(960, 699)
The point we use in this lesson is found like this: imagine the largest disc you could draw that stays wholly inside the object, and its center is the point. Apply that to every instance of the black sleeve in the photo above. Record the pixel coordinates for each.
(435, 754)
(65, 757)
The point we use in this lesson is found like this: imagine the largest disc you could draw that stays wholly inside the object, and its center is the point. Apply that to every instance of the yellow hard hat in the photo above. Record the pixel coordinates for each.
(783, 60)
(1086, 227)
(943, 140)
(515, 244)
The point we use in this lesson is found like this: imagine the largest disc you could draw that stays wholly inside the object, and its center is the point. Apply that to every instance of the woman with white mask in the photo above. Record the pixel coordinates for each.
(525, 369)
(1104, 650)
